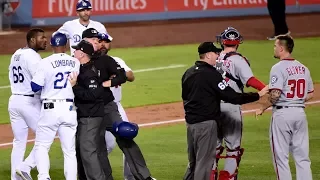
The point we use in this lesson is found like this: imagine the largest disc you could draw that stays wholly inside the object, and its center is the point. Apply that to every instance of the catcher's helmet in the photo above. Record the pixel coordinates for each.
(125, 129)
(83, 4)
(58, 39)
(230, 36)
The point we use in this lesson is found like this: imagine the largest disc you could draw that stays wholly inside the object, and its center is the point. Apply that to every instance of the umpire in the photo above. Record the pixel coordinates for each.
(92, 156)
(202, 90)
(111, 74)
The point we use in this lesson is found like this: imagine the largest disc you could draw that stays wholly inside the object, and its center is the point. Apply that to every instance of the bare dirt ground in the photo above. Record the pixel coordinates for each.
(175, 32)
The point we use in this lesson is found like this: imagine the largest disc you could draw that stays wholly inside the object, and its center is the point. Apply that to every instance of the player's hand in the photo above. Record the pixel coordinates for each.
(264, 91)
(106, 83)
(73, 78)
(259, 112)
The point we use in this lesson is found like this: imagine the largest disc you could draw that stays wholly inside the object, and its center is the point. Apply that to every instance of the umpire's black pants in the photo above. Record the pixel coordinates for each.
(92, 154)
(277, 11)
(130, 149)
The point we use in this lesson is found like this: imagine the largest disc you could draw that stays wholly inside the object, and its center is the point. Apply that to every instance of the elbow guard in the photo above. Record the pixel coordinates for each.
(255, 83)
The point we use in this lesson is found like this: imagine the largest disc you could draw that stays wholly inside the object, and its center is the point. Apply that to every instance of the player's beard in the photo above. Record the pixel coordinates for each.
(85, 18)
(104, 51)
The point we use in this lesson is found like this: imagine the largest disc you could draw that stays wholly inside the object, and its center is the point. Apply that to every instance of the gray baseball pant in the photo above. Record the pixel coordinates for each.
(202, 142)
(92, 155)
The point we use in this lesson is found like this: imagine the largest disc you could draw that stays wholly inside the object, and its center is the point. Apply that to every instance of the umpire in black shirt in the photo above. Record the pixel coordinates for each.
(111, 74)
(202, 90)
(93, 162)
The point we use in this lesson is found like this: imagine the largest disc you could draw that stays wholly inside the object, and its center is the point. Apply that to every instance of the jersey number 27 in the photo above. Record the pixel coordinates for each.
(61, 80)
(297, 88)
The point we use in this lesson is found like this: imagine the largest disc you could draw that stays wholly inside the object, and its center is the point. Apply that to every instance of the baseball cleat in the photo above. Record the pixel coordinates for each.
(274, 37)
(23, 175)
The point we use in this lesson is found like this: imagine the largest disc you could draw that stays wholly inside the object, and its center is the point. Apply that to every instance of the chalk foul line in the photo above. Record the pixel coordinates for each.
(169, 122)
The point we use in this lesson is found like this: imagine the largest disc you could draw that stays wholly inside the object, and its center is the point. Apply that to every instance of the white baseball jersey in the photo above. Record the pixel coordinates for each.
(53, 73)
(293, 79)
(22, 68)
(238, 67)
(117, 91)
(73, 30)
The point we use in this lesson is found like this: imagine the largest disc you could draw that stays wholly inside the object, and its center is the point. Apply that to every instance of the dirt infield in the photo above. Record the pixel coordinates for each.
(175, 32)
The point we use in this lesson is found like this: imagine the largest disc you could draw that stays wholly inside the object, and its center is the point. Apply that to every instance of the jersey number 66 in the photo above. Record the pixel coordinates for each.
(61, 80)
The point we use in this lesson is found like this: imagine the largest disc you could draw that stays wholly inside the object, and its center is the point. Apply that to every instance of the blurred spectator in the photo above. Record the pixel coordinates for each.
(277, 11)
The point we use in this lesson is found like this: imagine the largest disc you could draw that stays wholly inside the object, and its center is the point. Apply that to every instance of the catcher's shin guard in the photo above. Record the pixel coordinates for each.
(214, 172)
(224, 175)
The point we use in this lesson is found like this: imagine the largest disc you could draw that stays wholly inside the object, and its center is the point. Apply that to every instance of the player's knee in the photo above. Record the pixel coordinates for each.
(110, 141)
(125, 130)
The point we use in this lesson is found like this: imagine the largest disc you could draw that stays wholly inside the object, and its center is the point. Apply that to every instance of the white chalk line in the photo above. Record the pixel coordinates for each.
(137, 71)
(170, 121)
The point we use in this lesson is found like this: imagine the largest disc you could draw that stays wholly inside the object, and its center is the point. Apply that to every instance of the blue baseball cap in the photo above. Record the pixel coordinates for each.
(58, 39)
(105, 37)
(83, 4)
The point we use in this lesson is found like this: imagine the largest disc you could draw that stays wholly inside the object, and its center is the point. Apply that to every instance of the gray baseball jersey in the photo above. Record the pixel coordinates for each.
(231, 122)
(236, 66)
(289, 125)
(293, 79)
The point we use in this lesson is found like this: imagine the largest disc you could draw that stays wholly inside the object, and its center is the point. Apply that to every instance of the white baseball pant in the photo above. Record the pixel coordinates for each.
(56, 118)
(24, 112)
(111, 143)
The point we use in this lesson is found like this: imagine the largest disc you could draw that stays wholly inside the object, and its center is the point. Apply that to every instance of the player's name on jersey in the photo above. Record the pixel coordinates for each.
(295, 70)
(59, 63)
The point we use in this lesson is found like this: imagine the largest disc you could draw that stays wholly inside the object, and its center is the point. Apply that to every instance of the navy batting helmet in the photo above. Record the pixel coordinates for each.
(83, 4)
(125, 129)
(230, 36)
(59, 39)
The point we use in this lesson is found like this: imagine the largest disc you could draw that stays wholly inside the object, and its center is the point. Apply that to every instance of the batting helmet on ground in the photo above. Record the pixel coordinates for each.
(125, 129)
(230, 36)
(59, 39)
(83, 4)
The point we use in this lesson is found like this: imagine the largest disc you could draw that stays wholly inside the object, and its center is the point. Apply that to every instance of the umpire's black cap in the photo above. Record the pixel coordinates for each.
(85, 47)
(206, 47)
(90, 33)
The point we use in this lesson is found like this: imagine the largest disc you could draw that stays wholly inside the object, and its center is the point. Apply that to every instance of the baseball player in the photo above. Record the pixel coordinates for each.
(236, 70)
(58, 112)
(290, 86)
(74, 28)
(24, 105)
(117, 93)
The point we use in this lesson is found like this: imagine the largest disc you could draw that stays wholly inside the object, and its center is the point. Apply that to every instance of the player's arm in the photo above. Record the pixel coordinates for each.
(246, 76)
(220, 86)
(91, 92)
(38, 79)
(275, 87)
(310, 87)
(119, 74)
(33, 61)
(127, 69)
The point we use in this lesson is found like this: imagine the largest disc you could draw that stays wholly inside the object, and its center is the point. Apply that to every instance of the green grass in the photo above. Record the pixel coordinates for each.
(164, 149)
(163, 86)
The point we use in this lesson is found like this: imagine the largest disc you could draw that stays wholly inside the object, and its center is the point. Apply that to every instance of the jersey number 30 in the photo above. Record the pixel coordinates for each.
(297, 87)
(17, 75)
(61, 81)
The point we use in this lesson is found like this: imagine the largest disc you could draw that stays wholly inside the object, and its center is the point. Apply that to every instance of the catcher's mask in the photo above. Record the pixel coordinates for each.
(230, 36)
